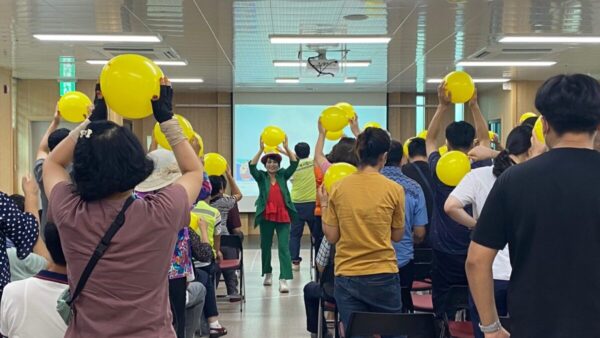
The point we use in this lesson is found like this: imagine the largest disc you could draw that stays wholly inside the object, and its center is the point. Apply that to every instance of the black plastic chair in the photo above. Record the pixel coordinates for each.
(506, 323)
(412, 325)
(236, 264)
(458, 299)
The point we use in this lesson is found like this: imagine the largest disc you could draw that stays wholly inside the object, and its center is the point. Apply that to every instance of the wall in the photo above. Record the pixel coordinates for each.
(7, 150)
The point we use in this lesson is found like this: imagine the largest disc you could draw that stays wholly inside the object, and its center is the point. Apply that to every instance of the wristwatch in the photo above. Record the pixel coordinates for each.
(494, 327)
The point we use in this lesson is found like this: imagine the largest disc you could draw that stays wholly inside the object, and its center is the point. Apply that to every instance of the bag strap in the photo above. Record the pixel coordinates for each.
(100, 249)
(420, 172)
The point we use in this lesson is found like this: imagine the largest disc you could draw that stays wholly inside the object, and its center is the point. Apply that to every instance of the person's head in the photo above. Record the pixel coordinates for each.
(569, 104)
(19, 201)
(516, 151)
(394, 156)
(272, 162)
(372, 146)
(224, 179)
(109, 160)
(52, 240)
(343, 151)
(56, 137)
(217, 185)
(460, 136)
(302, 150)
(530, 121)
(416, 148)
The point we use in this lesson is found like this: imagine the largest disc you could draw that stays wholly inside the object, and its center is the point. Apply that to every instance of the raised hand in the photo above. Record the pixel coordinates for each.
(162, 107)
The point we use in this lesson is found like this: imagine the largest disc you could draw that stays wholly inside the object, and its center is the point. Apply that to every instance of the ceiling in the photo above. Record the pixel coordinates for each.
(226, 42)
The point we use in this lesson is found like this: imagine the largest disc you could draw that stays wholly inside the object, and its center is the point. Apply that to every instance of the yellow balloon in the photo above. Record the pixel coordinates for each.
(270, 150)
(161, 139)
(526, 116)
(422, 134)
(491, 135)
(129, 82)
(334, 118)
(460, 86)
(334, 135)
(194, 223)
(200, 143)
(443, 149)
(371, 125)
(73, 106)
(336, 172)
(347, 108)
(273, 136)
(452, 167)
(215, 164)
(538, 130)
(405, 146)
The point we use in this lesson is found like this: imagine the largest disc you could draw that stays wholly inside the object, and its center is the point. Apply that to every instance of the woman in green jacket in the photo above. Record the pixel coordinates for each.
(274, 211)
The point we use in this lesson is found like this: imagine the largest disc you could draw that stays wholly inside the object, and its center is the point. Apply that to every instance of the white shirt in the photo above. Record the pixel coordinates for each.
(474, 190)
(28, 309)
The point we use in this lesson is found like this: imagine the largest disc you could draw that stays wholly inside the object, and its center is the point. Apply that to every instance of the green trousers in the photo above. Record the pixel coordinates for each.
(267, 229)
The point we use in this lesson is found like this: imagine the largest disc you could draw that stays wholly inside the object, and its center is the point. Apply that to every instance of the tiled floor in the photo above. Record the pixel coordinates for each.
(268, 313)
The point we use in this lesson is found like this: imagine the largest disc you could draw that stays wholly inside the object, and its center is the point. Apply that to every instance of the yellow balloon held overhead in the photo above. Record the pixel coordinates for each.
(333, 119)
(73, 106)
(347, 108)
(273, 136)
(336, 172)
(161, 139)
(405, 146)
(334, 135)
(214, 164)
(452, 167)
(271, 150)
(526, 116)
(538, 130)
(491, 135)
(422, 134)
(459, 86)
(371, 125)
(129, 82)
(200, 143)
(443, 149)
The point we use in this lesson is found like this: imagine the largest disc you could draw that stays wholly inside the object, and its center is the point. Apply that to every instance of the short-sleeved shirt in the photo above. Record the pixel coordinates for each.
(181, 261)
(224, 204)
(365, 206)
(127, 294)
(233, 219)
(212, 217)
(473, 190)
(447, 235)
(24, 268)
(415, 213)
(548, 211)
(21, 228)
(38, 173)
(276, 210)
(303, 182)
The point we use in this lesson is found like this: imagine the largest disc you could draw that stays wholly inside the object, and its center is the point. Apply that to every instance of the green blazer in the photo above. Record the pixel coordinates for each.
(264, 186)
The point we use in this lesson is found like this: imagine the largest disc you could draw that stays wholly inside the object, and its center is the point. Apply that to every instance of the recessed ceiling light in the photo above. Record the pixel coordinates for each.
(355, 63)
(489, 80)
(550, 39)
(98, 38)
(324, 39)
(350, 80)
(356, 17)
(158, 62)
(287, 80)
(184, 80)
(506, 63)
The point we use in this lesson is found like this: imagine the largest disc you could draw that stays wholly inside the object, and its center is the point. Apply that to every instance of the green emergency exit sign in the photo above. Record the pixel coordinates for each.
(66, 74)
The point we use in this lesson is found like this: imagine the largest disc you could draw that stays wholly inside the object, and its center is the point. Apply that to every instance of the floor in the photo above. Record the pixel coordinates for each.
(268, 313)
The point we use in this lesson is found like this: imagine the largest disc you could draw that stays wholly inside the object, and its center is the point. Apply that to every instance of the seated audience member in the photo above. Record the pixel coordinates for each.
(28, 307)
(314, 291)
(234, 222)
(108, 162)
(531, 206)
(415, 218)
(194, 304)
(363, 214)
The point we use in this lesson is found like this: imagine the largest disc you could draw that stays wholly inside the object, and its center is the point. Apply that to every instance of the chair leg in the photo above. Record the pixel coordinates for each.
(337, 322)
(242, 289)
(320, 320)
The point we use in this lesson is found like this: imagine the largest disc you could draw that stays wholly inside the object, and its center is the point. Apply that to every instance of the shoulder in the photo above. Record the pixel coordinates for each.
(411, 187)
(14, 290)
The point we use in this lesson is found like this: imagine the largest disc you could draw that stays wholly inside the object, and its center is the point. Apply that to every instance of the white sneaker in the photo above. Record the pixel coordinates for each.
(296, 266)
(268, 279)
(283, 287)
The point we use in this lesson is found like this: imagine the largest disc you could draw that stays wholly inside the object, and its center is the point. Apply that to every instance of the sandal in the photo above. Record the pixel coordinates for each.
(217, 332)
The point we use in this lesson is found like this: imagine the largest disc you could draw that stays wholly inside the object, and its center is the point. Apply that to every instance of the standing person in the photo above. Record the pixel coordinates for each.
(449, 239)
(304, 193)
(361, 217)
(530, 207)
(474, 189)
(274, 211)
(127, 293)
(415, 218)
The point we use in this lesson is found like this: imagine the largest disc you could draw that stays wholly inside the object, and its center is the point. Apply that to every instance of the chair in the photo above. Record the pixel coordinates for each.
(506, 323)
(237, 264)
(422, 303)
(458, 299)
(422, 260)
(413, 325)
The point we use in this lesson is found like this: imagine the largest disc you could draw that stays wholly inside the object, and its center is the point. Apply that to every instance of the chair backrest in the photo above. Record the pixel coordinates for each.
(422, 255)
(422, 271)
(413, 325)
(231, 241)
(458, 297)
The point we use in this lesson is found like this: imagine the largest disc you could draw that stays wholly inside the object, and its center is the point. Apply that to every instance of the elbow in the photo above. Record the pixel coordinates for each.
(448, 208)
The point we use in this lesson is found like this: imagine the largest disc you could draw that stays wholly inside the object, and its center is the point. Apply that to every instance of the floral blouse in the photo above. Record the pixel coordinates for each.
(181, 262)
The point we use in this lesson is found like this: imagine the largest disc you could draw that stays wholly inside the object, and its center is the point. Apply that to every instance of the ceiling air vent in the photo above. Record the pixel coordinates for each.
(527, 50)
(154, 53)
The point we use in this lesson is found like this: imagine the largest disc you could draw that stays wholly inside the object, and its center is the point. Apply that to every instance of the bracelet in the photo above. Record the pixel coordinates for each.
(494, 327)
(172, 131)
(324, 206)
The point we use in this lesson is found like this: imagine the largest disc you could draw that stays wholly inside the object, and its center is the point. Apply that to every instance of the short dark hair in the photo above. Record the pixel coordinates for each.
(460, 135)
(530, 121)
(343, 151)
(570, 103)
(19, 201)
(395, 153)
(302, 150)
(271, 156)
(224, 179)
(56, 137)
(217, 184)
(370, 145)
(52, 239)
(110, 161)
(416, 147)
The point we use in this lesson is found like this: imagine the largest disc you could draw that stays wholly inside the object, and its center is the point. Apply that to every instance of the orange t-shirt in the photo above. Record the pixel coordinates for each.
(318, 181)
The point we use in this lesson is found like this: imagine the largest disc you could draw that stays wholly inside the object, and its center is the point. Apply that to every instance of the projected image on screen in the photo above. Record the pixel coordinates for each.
(299, 123)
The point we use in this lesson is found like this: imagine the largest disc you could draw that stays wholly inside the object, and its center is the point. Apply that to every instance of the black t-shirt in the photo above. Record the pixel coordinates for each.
(410, 170)
(548, 211)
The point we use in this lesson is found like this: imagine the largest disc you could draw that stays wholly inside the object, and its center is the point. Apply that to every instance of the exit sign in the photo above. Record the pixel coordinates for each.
(66, 74)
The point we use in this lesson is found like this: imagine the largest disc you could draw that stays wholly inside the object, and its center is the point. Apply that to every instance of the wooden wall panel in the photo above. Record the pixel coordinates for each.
(7, 147)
